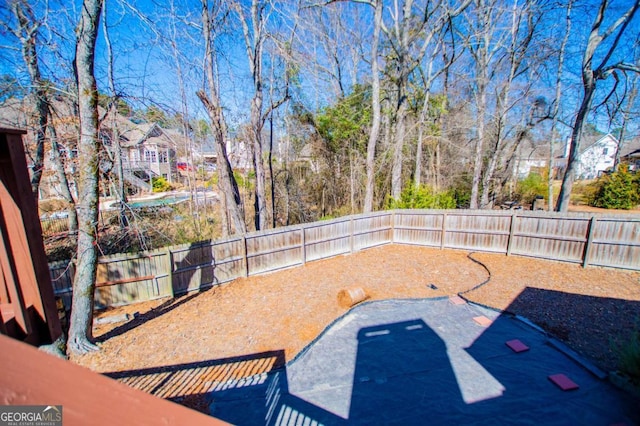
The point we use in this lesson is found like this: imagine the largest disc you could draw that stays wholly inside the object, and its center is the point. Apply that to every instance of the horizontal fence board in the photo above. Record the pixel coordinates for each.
(419, 221)
(605, 240)
(202, 265)
(269, 262)
(372, 239)
(571, 228)
(568, 251)
(616, 231)
(372, 231)
(327, 239)
(477, 231)
(550, 237)
(482, 242)
(418, 236)
(326, 249)
(615, 256)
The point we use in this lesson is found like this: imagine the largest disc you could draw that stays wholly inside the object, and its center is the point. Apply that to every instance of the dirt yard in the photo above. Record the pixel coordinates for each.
(591, 309)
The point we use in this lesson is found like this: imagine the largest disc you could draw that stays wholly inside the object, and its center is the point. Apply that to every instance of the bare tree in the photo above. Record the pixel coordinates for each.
(412, 33)
(556, 104)
(80, 331)
(591, 75)
(116, 148)
(26, 32)
(375, 108)
(58, 164)
(231, 200)
(255, 37)
(518, 59)
(626, 113)
(483, 50)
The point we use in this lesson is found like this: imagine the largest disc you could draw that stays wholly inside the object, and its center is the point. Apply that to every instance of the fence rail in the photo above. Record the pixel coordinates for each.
(602, 240)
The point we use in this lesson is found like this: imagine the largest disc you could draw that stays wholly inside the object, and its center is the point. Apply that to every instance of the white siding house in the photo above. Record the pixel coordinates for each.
(596, 157)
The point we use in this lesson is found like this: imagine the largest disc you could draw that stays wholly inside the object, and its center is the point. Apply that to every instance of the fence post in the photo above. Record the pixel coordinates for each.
(351, 244)
(303, 246)
(393, 227)
(512, 227)
(443, 233)
(587, 247)
(170, 271)
(245, 253)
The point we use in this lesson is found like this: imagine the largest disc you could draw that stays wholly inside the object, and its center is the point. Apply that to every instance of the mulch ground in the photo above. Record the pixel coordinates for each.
(591, 309)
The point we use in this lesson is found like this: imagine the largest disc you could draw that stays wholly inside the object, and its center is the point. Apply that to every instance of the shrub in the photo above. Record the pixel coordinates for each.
(619, 190)
(531, 186)
(423, 197)
(160, 184)
(461, 191)
(585, 192)
(629, 353)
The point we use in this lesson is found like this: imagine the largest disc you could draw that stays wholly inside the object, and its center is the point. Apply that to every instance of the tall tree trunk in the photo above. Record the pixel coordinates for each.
(479, 147)
(556, 106)
(398, 147)
(27, 32)
(375, 107)
(519, 48)
(258, 164)
(58, 165)
(417, 178)
(84, 282)
(116, 155)
(232, 203)
(481, 57)
(271, 177)
(631, 97)
(576, 136)
(403, 37)
(254, 39)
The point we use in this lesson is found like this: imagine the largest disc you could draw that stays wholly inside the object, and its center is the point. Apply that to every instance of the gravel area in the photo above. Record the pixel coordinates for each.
(590, 308)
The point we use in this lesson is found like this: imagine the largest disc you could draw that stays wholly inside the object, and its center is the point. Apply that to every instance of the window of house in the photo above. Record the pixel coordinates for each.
(163, 156)
(150, 156)
(605, 151)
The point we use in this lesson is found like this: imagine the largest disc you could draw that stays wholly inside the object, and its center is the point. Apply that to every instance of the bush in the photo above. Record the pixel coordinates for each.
(531, 186)
(160, 184)
(630, 357)
(423, 197)
(619, 190)
(585, 192)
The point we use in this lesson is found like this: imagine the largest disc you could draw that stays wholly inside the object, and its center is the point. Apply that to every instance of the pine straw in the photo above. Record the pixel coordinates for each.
(590, 309)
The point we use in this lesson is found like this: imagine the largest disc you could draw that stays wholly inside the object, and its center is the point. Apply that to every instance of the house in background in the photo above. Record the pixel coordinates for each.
(531, 158)
(597, 155)
(630, 154)
(148, 150)
(238, 151)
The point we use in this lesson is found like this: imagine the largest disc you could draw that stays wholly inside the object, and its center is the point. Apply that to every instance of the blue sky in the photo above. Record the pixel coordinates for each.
(146, 73)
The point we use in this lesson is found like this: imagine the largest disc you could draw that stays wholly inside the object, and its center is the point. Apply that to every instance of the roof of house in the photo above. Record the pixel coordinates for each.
(591, 140)
(631, 148)
(134, 134)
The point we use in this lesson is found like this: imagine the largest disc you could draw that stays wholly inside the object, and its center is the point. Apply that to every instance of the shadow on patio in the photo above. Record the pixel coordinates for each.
(432, 364)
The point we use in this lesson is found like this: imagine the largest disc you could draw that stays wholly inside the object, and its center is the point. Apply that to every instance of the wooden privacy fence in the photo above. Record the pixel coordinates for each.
(603, 240)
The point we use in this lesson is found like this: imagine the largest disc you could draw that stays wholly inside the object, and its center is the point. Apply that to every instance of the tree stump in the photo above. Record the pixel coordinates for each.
(351, 296)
